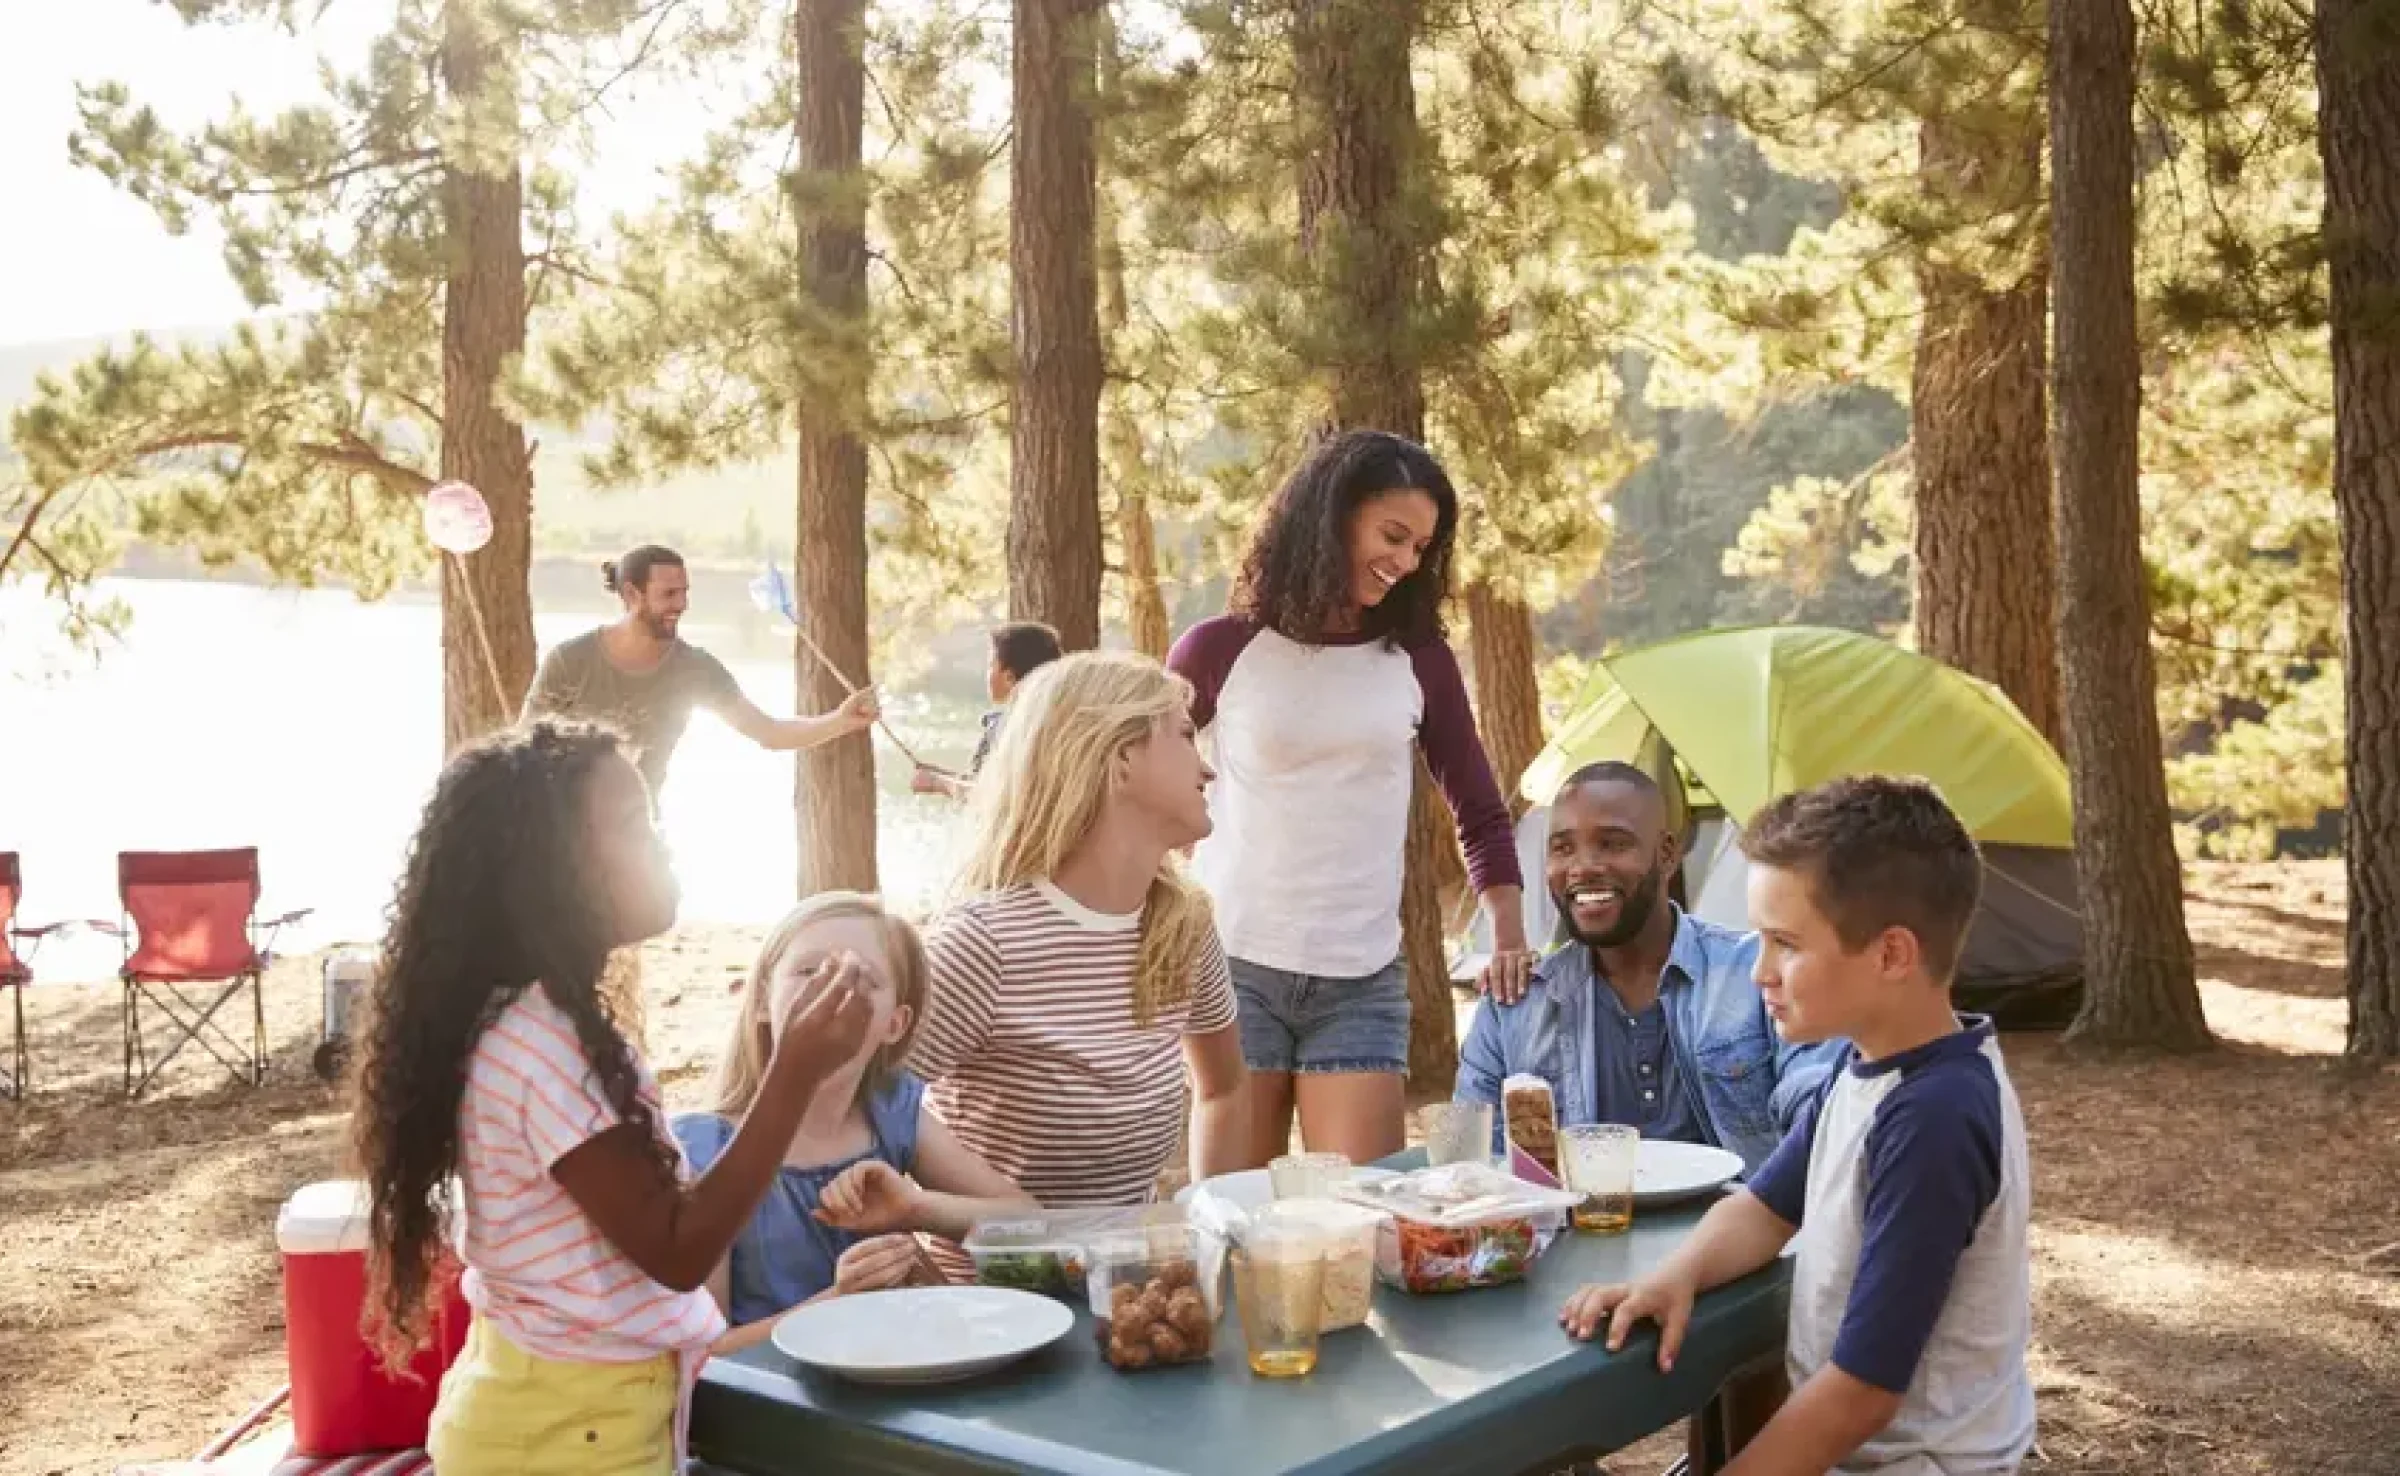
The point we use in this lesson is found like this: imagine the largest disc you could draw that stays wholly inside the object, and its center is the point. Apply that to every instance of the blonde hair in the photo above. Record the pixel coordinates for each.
(742, 1066)
(1042, 788)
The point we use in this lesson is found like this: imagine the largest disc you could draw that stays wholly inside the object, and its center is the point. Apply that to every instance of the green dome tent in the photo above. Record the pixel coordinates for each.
(1728, 719)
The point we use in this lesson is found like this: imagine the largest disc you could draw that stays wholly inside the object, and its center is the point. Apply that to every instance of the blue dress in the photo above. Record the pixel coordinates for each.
(786, 1255)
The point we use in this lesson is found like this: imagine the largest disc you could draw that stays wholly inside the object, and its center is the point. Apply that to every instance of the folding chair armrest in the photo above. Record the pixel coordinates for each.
(48, 929)
(103, 925)
(288, 918)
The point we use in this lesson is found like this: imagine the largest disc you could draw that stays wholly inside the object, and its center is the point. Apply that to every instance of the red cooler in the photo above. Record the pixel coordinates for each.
(343, 1403)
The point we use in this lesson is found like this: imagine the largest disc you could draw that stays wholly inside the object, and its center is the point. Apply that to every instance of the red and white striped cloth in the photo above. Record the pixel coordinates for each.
(384, 1463)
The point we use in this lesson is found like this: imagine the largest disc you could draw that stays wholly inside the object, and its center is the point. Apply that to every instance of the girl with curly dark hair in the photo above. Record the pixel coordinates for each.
(1321, 685)
(490, 1054)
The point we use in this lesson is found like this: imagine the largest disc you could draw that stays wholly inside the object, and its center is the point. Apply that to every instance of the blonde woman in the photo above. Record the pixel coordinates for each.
(870, 1167)
(1080, 987)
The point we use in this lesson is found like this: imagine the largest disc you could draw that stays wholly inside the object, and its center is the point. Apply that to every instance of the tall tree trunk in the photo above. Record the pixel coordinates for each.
(1137, 537)
(1986, 589)
(834, 793)
(487, 617)
(1358, 111)
(2358, 86)
(1508, 689)
(1145, 603)
(2137, 955)
(1054, 456)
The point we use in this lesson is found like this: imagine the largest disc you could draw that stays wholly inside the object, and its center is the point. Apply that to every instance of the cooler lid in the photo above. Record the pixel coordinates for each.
(324, 1219)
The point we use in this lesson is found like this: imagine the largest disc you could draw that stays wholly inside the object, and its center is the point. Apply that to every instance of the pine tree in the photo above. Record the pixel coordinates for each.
(402, 203)
(2139, 985)
(2360, 89)
(1054, 540)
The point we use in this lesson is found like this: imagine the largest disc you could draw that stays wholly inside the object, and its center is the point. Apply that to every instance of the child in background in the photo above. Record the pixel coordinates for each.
(870, 1167)
(1906, 1181)
(1019, 650)
(490, 1053)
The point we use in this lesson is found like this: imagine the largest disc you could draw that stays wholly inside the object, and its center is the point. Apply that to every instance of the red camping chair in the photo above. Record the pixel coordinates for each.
(193, 943)
(16, 971)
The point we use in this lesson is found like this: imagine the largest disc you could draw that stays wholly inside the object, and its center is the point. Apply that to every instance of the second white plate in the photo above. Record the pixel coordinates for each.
(921, 1335)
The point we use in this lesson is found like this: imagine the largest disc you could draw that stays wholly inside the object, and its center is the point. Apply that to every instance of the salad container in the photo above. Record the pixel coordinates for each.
(1047, 1251)
(1460, 1226)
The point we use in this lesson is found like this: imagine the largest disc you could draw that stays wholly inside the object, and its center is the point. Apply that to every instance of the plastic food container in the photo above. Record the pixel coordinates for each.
(1047, 1251)
(1154, 1301)
(1460, 1226)
(1348, 1234)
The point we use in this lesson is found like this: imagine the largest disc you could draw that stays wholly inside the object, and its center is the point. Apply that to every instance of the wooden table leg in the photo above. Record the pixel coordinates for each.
(1733, 1419)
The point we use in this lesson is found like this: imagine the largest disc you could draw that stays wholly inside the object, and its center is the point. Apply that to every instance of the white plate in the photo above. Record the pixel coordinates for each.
(921, 1335)
(1255, 1188)
(1665, 1172)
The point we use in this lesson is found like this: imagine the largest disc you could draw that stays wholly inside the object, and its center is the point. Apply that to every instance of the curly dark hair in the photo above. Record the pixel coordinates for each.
(499, 894)
(1296, 577)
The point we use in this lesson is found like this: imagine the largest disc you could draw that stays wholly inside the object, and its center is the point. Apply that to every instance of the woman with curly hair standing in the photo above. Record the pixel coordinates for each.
(490, 1054)
(1320, 686)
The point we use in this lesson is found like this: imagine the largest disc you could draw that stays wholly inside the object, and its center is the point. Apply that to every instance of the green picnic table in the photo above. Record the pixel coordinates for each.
(1477, 1381)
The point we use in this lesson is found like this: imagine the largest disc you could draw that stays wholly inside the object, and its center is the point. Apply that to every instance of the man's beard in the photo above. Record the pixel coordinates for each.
(661, 626)
(1633, 913)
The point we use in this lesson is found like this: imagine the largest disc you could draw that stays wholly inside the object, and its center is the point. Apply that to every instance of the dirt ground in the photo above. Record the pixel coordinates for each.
(2204, 1301)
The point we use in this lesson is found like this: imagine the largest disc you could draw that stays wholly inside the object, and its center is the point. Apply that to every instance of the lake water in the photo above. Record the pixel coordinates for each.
(309, 725)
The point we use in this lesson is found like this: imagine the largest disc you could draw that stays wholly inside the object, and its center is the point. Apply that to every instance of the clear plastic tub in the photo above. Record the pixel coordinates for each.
(1155, 1296)
(1047, 1251)
(1347, 1233)
(1459, 1226)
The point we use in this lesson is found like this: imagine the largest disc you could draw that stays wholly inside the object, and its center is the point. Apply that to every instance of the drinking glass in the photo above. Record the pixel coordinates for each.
(1279, 1287)
(1596, 1163)
(1308, 1175)
(1458, 1132)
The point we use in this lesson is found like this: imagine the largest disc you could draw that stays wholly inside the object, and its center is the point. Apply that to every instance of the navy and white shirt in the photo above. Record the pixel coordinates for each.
(1910, 1183)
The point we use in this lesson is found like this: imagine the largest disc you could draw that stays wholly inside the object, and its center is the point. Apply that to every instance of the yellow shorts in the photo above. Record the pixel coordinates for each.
(506, 1412)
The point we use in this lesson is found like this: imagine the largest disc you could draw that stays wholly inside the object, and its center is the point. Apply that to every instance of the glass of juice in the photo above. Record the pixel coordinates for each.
(1279, 1287)
(1596, 1163)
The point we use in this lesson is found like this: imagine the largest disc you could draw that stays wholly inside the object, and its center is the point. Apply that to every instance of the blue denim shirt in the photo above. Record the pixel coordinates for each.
(1751, 1085)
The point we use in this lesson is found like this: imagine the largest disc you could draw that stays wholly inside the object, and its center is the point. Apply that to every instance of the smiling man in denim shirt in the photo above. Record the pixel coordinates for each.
(1649, 1017)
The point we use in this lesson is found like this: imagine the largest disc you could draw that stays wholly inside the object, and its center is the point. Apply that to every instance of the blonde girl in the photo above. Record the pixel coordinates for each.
(870, 1166)
(1080, 993)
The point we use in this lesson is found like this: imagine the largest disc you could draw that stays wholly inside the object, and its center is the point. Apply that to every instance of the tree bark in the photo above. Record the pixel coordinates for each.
(834, 791)
(2358, 87)
(1508, 689)
(1357, 105)
(1146, 617)
(1986, 586)
(487, 604)
(1358, 110)
(2139, 987)
(1054, 544)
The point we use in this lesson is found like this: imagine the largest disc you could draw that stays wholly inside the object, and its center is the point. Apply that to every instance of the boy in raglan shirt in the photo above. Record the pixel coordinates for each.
(1905, 1183)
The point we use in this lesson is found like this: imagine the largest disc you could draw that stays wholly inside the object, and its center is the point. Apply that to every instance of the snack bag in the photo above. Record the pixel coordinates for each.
(1532, 1117)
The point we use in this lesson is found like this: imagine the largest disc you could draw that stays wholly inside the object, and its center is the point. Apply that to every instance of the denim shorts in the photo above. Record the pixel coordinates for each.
(1301, 1023)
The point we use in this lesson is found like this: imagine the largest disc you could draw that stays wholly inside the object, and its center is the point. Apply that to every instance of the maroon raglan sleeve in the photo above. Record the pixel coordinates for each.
(1454, 754)
(1204, 656)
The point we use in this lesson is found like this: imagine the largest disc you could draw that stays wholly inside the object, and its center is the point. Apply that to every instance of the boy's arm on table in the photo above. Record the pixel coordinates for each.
(1740, 1233)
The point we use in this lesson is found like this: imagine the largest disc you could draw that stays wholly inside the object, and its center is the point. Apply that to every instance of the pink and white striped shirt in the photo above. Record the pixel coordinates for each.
(541, 1271)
